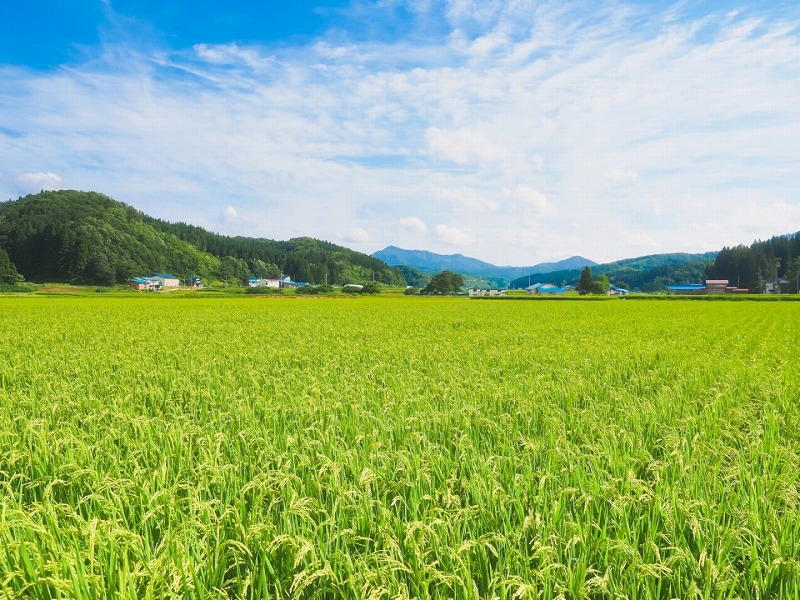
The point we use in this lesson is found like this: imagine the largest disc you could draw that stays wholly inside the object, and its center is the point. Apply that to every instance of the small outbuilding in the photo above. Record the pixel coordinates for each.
(139, 284)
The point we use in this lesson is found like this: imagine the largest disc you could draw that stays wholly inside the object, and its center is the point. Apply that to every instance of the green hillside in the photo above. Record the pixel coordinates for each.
(87, 237)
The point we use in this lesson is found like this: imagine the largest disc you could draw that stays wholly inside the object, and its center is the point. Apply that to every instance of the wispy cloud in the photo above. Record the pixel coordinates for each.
(514, 120)
(448, 234)
(413, 224)
(39, 181)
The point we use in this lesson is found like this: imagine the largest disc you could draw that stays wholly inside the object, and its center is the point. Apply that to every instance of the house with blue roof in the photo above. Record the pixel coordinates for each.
(687, 289)
(545, 288)
(140, 284)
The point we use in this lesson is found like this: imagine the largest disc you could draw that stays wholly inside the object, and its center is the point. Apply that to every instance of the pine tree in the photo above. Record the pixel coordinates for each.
(585, 283)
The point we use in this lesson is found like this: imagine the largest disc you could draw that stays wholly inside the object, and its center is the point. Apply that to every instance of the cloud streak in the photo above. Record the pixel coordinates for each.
(518, 121)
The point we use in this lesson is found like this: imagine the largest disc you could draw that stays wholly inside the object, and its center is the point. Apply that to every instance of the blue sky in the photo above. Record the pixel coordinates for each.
(515, 131)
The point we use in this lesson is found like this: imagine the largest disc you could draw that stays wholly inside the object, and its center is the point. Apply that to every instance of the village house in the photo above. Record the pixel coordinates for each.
(615, 290)
(544, 288)
(711, 286)
(777, 286)
(139, 284)
(261, 282)
(167, 280)
(146, 284)
(716, 286)
(475, 291)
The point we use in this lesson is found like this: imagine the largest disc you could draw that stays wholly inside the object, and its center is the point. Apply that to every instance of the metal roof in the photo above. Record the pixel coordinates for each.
(688, 286)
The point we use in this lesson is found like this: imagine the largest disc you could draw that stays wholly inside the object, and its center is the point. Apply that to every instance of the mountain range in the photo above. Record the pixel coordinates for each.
(85, 237)
(430, 262)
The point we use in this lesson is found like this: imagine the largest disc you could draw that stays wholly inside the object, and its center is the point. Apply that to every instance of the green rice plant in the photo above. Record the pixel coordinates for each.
(398, 447)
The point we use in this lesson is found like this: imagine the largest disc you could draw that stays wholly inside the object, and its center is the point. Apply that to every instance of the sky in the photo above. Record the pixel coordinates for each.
(514, 131)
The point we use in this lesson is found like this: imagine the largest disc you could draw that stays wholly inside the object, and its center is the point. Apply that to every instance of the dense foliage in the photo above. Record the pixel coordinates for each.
(304, 259)
(398, 448)
(85, 237)
(414, 277)
(446, 282)
(9, 276)
(751, 267)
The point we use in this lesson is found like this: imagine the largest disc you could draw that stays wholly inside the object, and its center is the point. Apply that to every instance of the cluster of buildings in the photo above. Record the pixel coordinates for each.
(165, 281)
(543, 289)
(157, 282)
(711, 286)
(285, 282)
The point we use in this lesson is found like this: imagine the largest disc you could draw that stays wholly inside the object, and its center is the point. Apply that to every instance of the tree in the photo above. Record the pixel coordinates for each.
(601, 286)
(585, 283)
(445, 282)
(8, 272)
(793, 273)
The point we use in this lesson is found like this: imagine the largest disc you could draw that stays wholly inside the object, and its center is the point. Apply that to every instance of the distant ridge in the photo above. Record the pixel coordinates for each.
(424, 260)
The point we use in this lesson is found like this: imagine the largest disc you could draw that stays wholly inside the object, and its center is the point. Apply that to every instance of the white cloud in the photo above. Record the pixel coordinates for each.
(463, 146)
(465, 199)
(412, 224)
(231, 54)
(453, 235)
(521, 120)
(357, 235)
(34, 182)
(621, 175)
(531, 199)
(230, 214)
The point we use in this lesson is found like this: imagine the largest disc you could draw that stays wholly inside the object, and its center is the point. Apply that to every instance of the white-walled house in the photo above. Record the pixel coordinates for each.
(270, 283)
(167, 280)
(486, 292)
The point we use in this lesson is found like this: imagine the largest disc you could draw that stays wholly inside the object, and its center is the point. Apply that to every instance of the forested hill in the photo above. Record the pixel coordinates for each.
(87, 237)
(751, 266)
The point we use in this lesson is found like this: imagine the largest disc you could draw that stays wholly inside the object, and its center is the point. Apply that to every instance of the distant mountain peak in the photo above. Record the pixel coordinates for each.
(425, 260)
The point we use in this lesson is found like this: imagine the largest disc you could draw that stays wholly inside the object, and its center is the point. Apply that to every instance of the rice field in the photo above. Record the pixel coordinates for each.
(157, 447)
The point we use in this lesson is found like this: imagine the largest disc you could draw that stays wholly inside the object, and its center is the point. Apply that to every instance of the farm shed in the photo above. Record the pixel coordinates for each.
(142, 285)
(167, 280)
(687, 289)
(615, 290)
(716, 286)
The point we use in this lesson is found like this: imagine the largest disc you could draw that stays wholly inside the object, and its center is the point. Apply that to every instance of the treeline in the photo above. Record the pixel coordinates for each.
(304, 259)
(753, 266)
(86, 237)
